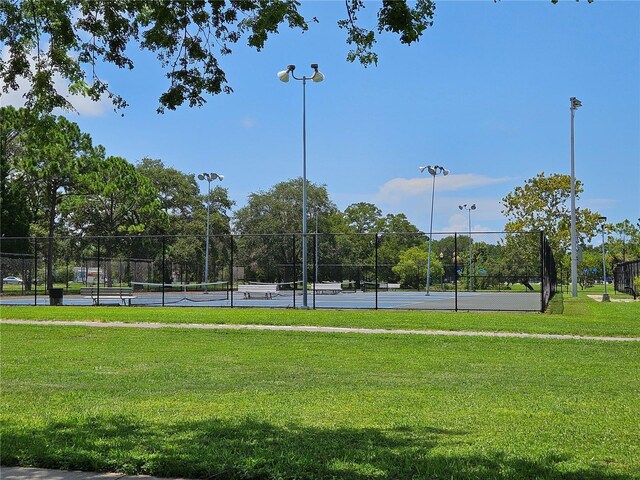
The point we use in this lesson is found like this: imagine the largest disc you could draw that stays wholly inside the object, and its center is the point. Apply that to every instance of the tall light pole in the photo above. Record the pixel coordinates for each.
(472, 207)
(209, 177)
(575, 104)
(605, 295)
(316, 77)
(433, 171)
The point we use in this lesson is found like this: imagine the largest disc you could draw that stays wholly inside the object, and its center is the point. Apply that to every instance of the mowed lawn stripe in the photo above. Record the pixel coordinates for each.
(314, 329)
(581, 316)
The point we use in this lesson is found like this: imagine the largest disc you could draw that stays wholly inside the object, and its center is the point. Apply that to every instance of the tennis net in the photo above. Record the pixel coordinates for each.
(159, 293)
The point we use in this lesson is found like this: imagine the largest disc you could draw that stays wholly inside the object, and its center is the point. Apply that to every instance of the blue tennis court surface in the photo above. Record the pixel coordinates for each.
(400, 300)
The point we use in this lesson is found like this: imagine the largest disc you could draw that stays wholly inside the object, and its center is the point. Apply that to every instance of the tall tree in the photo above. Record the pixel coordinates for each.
(15, 215)
(55, 153)
(625, 245)
(363, 217)
(542, 204)
(278, 214)
(179, 196)
(115, 200)
(186, 209)
(399, 234)
(186, 36)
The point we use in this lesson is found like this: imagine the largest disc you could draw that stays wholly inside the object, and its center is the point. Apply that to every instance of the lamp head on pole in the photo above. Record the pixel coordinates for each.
(575, 103)
(284, 74)
(434, 170)
(462, 207)
(317, 75)
(473, 207)
(210, 177)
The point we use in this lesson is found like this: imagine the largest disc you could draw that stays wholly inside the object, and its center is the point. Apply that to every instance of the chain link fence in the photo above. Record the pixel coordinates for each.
(626, 277)
(490, 271)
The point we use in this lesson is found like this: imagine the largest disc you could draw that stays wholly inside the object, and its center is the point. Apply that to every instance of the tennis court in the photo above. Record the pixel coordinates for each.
(399, 300)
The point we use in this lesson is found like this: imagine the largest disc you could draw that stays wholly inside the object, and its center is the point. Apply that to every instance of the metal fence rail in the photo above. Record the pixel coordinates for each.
(483, 271)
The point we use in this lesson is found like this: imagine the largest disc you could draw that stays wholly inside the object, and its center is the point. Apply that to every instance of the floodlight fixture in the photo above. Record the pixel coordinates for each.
(316, 78)
(433, 171)
(209, 177)
(469, 208)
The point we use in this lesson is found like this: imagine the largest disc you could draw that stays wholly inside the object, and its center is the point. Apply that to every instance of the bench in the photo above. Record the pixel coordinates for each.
(390, 286)
(268, 289)
(631, 291)
(122, 294)
(333, 287)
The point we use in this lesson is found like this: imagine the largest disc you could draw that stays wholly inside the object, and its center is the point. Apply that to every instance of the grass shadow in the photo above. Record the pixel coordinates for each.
(556, 304)
(254, 449)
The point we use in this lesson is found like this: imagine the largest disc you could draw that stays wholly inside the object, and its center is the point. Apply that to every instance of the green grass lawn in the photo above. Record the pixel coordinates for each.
(581, 316)
(212, 404)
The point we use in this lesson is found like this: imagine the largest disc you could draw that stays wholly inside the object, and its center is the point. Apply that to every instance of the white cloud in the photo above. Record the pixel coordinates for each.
(83, 105)
(398, 190)
(248, 122)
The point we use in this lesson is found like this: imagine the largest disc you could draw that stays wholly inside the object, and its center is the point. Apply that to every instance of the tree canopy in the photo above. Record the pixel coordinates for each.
(542, 204)
(72, 38)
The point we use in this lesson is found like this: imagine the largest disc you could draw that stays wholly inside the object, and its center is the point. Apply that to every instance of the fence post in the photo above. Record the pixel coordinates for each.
(293, 262)
(542, 270)
(98, 289)
(231, 268)
(376, 268)
(162, 273)
(455, 269)
(35, 271)
(315, 265)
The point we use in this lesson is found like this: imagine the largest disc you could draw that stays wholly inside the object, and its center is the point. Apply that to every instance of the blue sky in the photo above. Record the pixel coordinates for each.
(484, 93)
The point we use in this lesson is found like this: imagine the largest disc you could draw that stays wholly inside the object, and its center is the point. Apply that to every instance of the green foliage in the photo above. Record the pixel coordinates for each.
(542, 204)
(55, 154)
(590, 268)
(623, 241)
(15, 215)
(74, 37)
(398, 234)
(273, 214)
(412, 267)
(116, 199)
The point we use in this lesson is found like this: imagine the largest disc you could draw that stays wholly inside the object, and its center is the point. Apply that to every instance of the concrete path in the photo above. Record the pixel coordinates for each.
(377, 331)
(21, 473)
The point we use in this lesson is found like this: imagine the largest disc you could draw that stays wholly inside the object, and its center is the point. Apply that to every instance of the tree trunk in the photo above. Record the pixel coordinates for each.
(53, 199)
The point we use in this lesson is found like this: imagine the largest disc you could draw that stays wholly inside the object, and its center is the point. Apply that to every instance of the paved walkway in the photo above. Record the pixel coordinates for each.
(377, 331)
(21, 473)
